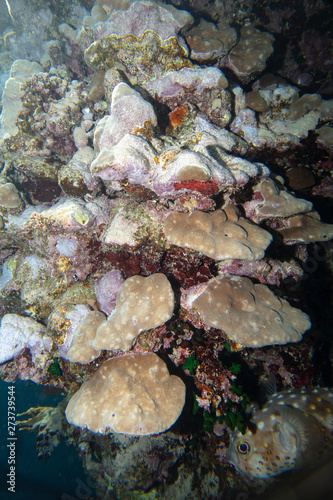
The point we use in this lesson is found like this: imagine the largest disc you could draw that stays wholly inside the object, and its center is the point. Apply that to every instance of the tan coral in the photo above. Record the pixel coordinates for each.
(325, 136)
(9, 196)
(81, 349)
(132, 394)
(251, 52)
(208, 42)
(306, 228)
(274, 201)
(249, 314)
(141, 304)
(256, 101)
(221, 234)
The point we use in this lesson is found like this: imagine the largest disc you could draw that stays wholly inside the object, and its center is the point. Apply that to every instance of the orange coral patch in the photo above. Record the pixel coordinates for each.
(176, 116)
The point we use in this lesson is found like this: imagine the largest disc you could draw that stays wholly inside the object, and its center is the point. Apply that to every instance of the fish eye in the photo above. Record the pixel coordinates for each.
(243, 447)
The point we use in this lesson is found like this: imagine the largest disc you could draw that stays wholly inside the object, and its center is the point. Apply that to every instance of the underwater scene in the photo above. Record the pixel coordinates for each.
(166, 250)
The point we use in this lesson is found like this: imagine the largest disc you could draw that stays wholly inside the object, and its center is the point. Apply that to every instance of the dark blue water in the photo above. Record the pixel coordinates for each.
(60, 478)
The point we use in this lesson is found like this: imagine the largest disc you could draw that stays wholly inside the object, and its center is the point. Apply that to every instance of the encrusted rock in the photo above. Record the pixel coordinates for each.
(281, 122)
(12, 105)
(143, 40)
(18, 332)
(204, 88)
(133, 394)
(75, 178)
(130, 113)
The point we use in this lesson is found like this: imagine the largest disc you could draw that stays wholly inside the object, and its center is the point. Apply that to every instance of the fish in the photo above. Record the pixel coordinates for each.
(293, 430)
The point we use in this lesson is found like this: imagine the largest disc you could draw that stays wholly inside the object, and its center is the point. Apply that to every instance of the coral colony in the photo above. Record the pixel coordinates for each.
(158, 213)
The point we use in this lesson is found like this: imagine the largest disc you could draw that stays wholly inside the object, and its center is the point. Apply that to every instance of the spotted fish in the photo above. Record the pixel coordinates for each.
(293, 430)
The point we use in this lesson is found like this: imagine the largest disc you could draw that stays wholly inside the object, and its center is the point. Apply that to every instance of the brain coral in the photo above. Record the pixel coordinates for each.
(250, 314)
(133, 394)
(221, 234)
(141, 304)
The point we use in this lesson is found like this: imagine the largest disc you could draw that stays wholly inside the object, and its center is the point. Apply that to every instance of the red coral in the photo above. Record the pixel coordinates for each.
(205, 187)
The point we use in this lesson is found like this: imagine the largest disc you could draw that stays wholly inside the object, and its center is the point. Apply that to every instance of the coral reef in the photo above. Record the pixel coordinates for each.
(163, 177)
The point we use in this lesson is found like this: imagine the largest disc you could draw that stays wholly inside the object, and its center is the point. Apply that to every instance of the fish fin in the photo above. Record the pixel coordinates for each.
(268, 388)
(299, 432)
(288, 437)
(270, 385)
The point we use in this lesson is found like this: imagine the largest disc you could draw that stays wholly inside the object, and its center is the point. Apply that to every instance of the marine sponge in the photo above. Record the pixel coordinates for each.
(250, 314)
(220, 235)
(141, 304)
(133, 394)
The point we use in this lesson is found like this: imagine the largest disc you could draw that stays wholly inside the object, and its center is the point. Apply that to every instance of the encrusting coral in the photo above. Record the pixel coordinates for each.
(132, 394)
(251, 52)
(141, 304)
(209, 42)
(9, 195)
(81, 349)
(272, 199)
(249, 314)
(305, 228)
(221, 234)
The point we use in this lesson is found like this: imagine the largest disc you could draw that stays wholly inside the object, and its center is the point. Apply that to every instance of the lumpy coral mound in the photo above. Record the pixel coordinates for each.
(132, 394)
(250, 314)
(141, 304)
(220, 235)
